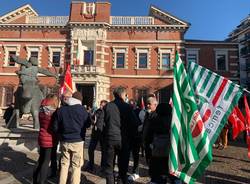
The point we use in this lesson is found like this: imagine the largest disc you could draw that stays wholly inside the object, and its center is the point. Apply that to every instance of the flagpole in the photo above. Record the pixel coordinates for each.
(245, 90)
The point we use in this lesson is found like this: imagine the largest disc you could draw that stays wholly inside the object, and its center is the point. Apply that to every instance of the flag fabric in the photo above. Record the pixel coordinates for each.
(202, 103)
(190, 151)
(78, 53)
(247, 124)
(67, 82)
(237, 120)
(142, 103)
(216, 97)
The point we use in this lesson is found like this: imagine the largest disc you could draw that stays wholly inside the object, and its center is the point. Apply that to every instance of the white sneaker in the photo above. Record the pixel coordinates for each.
(133, 177)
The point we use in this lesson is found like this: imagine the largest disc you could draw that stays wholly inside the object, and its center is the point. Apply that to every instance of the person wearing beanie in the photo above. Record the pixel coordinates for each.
(70, 124)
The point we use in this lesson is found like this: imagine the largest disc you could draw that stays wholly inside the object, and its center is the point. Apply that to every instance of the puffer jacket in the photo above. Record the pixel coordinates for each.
(46, 138)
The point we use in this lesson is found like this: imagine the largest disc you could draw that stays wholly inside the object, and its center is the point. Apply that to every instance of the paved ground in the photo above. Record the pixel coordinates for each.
(230, 166)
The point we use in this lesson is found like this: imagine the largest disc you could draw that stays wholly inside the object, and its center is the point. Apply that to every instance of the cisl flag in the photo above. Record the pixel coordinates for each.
(216, 97)
(190, 151)
(202, 103)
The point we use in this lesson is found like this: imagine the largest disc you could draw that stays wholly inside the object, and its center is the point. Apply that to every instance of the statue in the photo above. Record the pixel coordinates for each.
(28, 95)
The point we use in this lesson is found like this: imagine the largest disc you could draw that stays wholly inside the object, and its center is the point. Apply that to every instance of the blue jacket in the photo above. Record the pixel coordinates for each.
(71, 122)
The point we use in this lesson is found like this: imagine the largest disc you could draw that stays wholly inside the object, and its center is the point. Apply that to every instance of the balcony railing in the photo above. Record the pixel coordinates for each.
(245, 38)
(50, 20)
(86, 69)
(245, 51)
(126, 20)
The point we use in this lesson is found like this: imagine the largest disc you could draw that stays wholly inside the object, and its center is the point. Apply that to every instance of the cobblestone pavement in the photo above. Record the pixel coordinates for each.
(230, 165)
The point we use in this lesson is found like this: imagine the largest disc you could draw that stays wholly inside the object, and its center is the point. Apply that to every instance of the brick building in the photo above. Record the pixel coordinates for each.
(106, 51)
(241, 35)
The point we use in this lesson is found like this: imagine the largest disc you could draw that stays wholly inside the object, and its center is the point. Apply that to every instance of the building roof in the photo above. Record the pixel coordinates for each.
(17, 13)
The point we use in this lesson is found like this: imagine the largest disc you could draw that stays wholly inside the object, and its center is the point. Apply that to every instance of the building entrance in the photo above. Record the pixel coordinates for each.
(88, 92)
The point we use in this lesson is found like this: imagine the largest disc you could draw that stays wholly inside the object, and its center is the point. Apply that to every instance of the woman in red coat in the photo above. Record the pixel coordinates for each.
(46, 140)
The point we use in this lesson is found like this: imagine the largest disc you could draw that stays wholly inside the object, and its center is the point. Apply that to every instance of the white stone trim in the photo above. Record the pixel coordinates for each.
(26, 9)
(56, 48)
(233, 64)
(84, 8)
(221, 52)
(168, 15)
(233, 57)
(166, 50)
(10, 47)
(225, 49)
(194, 51)
(36, 48)
(120, 49)
(143, 49)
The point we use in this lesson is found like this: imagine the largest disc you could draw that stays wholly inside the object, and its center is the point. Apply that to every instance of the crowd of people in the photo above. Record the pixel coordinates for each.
(121, 128)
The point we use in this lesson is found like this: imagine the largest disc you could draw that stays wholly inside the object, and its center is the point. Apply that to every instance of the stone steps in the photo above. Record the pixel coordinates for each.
(20, 139)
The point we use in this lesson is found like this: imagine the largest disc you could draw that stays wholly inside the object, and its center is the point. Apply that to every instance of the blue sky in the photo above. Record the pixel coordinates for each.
(210, 19)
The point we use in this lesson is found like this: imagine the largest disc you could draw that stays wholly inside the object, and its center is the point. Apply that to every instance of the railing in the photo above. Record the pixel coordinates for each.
(85, 69)
(245, 51)
(245, 38)
(50, 20)
(126, 20)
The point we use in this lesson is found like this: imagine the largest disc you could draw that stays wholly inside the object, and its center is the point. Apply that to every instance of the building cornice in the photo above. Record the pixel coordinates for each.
(142, 76)
(32, 40)
(209, 43)
(87, 24)
(54, 26)
(145, 41)
(161, 27)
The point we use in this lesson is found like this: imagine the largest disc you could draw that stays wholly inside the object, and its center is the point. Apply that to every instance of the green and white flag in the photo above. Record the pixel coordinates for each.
(191, 142)
(216, 97)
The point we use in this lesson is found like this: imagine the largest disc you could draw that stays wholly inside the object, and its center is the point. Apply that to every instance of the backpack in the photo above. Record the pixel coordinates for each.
(160, 146)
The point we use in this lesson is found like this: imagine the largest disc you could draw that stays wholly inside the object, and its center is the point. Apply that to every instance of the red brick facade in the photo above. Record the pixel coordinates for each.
(135, 52)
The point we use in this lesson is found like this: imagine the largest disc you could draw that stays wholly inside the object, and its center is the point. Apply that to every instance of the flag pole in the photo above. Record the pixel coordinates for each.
(246, 91)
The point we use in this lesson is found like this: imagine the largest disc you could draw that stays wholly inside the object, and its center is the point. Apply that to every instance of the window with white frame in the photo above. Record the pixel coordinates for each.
(142, 58)
(9, 51)
(56, 54)
(56, 57)
(11, 61)
(192, 55)
(120, 57)
(34, 54)
(165, 61)
(165, 58)
(221, 60)
(34, 51)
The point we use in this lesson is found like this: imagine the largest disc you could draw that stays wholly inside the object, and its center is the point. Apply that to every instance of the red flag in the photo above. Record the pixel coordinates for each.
(237, 120)
(247, 124)
(67, 83)
(142, 103)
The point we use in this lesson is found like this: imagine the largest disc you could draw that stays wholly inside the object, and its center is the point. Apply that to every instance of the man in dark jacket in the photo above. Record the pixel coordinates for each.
(149, 117)
(96, 135)
(120, 129)
(71, 123)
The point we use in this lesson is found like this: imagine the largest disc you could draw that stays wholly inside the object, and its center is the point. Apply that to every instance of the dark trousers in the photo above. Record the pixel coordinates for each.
(135, 149)
(95, 138)
(45, 156)
(112, 149)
